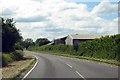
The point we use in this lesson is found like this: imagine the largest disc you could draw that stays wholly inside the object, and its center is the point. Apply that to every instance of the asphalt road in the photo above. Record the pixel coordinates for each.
(51, 66)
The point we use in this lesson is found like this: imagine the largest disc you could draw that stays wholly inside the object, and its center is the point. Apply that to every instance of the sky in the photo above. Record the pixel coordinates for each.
(57, 18)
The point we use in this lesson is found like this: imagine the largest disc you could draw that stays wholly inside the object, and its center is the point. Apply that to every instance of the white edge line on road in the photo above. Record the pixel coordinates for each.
(69, 65)
(80, 75)
(31, 69)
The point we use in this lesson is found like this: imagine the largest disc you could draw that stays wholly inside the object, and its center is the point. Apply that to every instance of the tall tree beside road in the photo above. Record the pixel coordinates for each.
(10, 35)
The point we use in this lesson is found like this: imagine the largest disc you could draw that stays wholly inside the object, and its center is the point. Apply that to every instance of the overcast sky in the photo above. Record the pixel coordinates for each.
(57, 18)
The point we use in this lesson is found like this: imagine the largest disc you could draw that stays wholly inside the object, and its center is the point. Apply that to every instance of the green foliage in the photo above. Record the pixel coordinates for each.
(27, 43)
(61, 48)
(6, 59)
(18, 55)
(18, 46)
(104, 48)
(10, 35)
(42, 41)
(10, 57)
(11, 40)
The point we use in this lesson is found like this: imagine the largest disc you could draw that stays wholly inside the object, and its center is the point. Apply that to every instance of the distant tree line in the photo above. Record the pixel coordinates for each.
(39, 42)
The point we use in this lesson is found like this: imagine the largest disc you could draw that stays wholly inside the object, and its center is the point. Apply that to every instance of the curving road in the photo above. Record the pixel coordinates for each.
(51, 66)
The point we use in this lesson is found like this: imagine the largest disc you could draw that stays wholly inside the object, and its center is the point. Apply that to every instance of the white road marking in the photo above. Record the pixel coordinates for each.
(69, 65)
(31, 69)
(80, 75)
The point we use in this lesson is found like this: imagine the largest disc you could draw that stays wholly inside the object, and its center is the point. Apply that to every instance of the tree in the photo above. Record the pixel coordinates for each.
(28, 42)
(10, 35)
(42, 41)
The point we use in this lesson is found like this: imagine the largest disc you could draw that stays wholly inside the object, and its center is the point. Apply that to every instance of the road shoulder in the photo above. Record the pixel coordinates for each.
(18, 68)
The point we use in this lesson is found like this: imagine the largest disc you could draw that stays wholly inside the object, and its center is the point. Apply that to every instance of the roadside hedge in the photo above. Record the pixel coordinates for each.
(61, 48)
(104, 48)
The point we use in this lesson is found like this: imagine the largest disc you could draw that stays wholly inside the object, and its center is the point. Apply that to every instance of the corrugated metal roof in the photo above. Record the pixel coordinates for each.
(85, 36)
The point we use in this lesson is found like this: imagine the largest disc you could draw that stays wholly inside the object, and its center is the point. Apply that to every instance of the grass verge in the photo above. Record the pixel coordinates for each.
(112, 62)
(16, 68)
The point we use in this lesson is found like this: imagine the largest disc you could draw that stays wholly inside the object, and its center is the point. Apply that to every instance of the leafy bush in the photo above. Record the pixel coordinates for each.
(6, 59)
(18, 55)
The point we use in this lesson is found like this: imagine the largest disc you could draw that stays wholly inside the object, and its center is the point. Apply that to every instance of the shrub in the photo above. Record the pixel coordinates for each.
(12, 56)
(18, 55)
(6, 59)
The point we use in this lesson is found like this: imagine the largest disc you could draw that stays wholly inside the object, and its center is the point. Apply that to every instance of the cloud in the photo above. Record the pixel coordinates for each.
(55, 18)
(32, 19)
(105, 8)
(7, 12)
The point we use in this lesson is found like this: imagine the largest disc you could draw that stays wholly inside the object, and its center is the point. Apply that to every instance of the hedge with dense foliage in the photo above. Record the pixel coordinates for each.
(66, 49)
(104, 48)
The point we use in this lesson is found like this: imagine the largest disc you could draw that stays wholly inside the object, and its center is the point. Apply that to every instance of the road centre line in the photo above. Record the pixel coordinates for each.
(76, 71)
(69, 65)
(80, 75)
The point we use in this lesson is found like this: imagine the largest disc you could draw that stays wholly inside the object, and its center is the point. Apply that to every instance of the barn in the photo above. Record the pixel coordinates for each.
(75, 39)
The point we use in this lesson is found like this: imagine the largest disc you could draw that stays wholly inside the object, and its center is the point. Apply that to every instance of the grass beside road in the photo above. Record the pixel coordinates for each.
(14, 69)
(112, 62)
